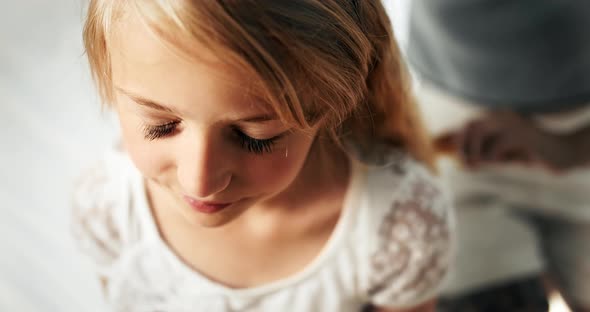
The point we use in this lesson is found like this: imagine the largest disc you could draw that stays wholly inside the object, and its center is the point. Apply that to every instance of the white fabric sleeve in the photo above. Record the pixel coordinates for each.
(409, 235)
(100, 214)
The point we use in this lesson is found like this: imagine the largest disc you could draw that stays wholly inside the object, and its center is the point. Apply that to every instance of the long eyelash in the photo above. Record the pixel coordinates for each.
(155, 132)
(254, 145)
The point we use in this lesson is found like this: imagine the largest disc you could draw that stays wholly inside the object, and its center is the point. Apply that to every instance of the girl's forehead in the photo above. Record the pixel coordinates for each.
(135, 41)
(140, 57)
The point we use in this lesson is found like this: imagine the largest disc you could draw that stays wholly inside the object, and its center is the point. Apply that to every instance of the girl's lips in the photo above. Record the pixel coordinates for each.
(205, 207)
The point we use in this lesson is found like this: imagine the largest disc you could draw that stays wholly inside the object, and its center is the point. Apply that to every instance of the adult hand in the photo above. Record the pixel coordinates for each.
(506, 137)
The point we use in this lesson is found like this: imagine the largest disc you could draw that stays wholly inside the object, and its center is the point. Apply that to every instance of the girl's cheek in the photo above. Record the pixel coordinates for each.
(267, 176)
(278, 170)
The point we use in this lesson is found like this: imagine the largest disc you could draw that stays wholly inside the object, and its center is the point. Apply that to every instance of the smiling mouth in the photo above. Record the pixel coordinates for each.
(205, 207)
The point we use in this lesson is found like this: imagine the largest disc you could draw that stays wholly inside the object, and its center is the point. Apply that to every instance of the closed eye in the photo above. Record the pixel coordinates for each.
(256, 146)
(152, 132)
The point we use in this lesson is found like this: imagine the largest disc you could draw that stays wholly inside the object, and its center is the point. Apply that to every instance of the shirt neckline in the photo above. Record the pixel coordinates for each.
(351, 200)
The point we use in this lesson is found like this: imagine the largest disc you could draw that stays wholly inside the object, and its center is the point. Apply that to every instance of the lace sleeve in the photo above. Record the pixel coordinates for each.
(412, 239)
(100, 202)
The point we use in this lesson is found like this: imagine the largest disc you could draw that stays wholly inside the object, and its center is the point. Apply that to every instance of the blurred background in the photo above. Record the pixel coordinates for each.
(51, 126)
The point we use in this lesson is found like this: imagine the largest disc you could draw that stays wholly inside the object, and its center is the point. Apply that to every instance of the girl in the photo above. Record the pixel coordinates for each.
(244, 181)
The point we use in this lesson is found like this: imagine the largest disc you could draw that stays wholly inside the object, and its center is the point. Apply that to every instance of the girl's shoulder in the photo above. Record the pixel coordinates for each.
(403, 179)
(393, 175)
(407, 232)
(103, 216)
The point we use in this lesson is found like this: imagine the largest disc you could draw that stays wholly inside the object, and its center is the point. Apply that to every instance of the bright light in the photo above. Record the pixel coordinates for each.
(556, 303)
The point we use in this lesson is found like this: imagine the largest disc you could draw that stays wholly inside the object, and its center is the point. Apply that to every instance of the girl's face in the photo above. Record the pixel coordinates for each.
(195, 133)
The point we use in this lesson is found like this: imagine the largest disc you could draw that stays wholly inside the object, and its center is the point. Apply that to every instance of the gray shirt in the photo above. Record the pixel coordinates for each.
(531, 56)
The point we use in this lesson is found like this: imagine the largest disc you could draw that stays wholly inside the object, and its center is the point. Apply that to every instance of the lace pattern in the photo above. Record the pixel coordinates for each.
(94, 226)
(412, 253)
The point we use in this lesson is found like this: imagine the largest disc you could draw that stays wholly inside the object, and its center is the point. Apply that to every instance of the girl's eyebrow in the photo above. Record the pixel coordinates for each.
(146, 102)
(154, 105)
(258, 118)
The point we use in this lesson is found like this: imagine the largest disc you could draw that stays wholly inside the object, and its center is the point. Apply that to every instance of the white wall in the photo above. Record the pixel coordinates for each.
(50, 126)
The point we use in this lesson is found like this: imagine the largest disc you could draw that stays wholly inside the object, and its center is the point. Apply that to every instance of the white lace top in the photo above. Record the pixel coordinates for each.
(389, 248)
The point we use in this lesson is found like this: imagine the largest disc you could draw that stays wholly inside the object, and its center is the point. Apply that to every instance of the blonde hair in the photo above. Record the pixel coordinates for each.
(329, 61)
